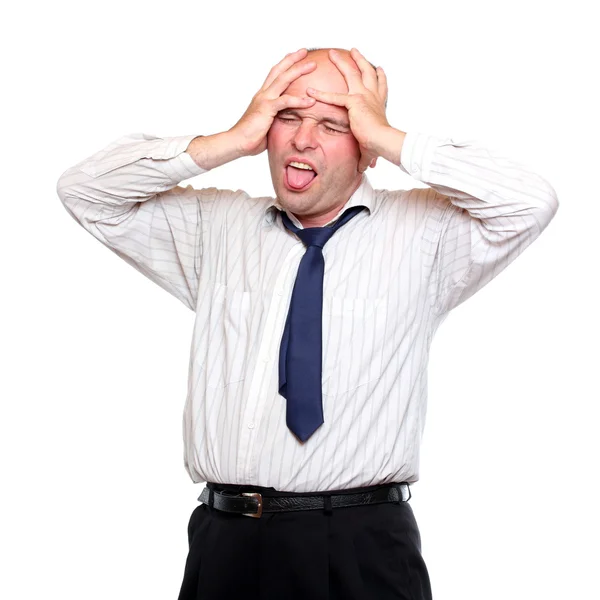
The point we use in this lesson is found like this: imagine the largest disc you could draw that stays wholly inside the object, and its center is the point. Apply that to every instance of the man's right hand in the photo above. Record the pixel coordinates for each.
(249, 135)
(251, 130)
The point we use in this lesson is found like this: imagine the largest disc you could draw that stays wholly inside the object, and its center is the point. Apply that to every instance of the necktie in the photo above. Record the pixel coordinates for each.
(301, 352)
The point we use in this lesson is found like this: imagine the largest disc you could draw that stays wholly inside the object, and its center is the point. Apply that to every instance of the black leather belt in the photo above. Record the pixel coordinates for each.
(253, 504)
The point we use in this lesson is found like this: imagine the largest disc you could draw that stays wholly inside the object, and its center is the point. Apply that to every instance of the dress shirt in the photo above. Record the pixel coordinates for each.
(392, 274)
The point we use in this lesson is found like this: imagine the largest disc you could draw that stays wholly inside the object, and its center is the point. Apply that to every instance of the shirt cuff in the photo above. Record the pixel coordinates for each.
(417, 154)
(174, 148)
(185, 164)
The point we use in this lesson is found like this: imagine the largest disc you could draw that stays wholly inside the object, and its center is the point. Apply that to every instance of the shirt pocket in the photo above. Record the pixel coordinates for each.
(353, 342)
(226, 339)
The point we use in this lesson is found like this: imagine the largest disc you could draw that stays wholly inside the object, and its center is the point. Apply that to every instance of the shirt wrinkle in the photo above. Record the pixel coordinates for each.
(391, 278)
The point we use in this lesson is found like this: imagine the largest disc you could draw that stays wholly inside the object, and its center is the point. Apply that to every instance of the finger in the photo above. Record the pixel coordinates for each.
(366, 158)
(364, 164)
(283, 80)
(382, 87)
(369, 74)
(289, 101)
(349, 70)
(329, 97)
(283, 65)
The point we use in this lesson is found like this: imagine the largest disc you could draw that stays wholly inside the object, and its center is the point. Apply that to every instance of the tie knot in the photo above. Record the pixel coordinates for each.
(318, 236)
(315, 236)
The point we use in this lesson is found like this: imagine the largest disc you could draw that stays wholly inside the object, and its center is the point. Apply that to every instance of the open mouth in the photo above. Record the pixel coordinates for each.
(297, 179)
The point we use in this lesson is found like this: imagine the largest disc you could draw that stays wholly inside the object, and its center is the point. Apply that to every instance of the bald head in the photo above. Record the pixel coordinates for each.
(341, 50)
(326, 77)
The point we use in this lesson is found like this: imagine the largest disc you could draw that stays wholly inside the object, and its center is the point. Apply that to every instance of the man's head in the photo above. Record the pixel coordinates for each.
(321, 137)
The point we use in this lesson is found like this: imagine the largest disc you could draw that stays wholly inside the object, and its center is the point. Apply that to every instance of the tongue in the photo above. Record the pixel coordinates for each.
(298, 178)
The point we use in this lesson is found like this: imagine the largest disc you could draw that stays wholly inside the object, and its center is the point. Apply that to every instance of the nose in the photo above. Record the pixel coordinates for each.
(305, 136)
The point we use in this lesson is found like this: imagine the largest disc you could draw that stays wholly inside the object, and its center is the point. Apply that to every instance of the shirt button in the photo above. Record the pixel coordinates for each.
(250, 425)
(415, 169)
(266, 359)
(280, 292)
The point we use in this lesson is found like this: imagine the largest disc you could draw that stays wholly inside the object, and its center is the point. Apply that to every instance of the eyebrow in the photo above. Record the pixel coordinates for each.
(295, 113)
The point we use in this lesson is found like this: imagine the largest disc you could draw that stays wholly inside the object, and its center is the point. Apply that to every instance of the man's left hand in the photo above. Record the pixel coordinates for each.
(365, 102)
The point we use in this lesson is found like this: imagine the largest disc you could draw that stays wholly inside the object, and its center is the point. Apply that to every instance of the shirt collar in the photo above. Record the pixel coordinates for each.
(363, 196)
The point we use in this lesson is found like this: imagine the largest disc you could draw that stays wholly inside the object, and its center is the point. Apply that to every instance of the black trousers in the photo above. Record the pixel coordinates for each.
(366, 552)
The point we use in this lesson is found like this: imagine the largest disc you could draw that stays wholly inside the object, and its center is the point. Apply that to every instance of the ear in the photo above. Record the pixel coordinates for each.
(373, 163)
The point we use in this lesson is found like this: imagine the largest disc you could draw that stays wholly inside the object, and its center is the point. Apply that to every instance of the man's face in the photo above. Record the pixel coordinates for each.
(307, 135)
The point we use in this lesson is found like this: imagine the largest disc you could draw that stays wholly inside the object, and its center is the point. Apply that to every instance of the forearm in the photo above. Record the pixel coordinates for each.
(215, 150)
(129, 170)
(505, 196)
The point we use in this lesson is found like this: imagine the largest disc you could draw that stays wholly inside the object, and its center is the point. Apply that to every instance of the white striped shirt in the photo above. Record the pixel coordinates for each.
(392, 274)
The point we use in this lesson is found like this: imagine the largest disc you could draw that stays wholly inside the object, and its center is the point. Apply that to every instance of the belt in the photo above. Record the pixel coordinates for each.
(254, 504)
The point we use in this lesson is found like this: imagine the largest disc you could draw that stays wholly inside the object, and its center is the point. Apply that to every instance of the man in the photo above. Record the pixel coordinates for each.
(315, 311)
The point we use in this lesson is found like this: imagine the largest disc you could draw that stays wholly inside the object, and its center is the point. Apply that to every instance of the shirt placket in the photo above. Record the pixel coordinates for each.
(267, 359)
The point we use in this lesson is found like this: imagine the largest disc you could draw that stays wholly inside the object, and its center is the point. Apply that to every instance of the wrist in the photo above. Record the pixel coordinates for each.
(212, 151)
(387, 143)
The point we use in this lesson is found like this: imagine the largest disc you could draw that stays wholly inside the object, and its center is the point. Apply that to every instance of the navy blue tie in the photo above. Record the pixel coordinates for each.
(301, 351)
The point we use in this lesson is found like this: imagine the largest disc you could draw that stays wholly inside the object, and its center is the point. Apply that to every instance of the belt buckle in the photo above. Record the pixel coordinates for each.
(258, 497)
(409, 492)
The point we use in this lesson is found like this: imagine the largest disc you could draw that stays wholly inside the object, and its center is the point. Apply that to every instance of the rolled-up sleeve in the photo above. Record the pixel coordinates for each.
(126, 195)
(488, 209)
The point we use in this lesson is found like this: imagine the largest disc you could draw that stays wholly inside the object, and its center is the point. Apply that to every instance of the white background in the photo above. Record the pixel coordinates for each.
(96, 501)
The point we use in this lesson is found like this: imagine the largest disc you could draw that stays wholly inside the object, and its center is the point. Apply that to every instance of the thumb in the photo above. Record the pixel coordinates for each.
(364, 163)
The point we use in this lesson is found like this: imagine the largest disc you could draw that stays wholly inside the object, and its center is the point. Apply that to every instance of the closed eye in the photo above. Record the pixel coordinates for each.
(292, 120)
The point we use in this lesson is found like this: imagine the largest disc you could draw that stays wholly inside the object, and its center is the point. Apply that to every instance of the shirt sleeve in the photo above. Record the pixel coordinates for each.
(487, 210)
(127, 197)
